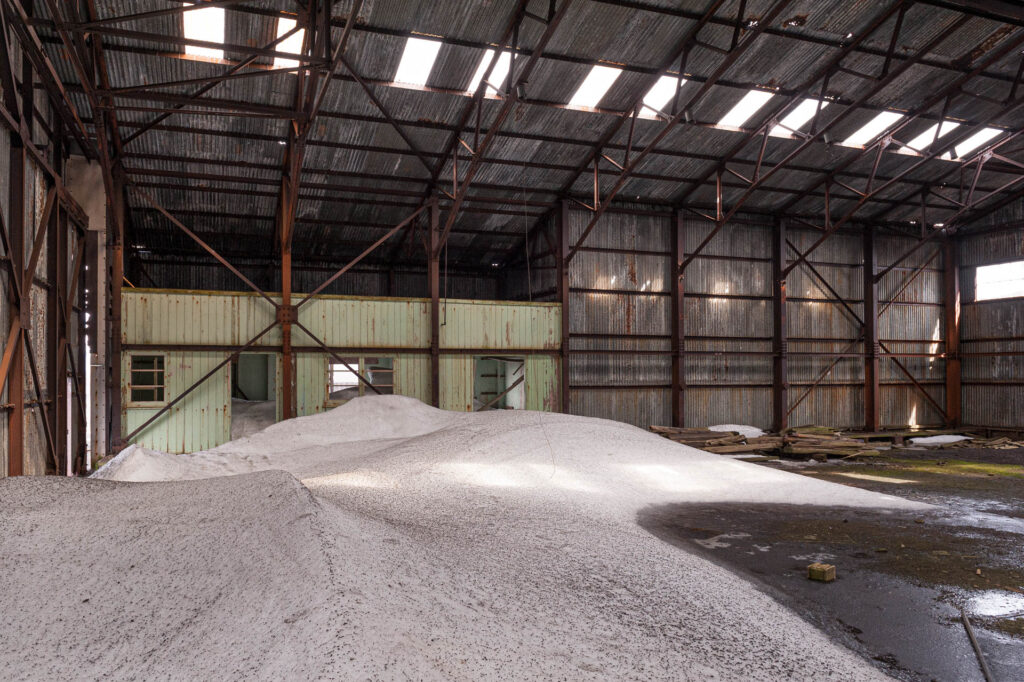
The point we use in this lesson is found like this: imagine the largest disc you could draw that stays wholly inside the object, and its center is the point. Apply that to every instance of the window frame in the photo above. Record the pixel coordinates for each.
(162, 386)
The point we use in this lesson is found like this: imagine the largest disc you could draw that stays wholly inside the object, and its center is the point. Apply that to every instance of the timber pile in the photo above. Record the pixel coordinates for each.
(809, 441)
(819, 444)
(988, 443)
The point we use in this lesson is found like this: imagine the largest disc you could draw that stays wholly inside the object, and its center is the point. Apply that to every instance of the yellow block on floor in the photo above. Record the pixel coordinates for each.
(825, 573)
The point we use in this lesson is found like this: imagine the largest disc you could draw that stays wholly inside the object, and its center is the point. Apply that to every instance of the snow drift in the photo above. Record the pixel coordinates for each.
(421, 544)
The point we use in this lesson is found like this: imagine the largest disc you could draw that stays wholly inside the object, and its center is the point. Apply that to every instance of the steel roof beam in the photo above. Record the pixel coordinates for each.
(776, 114)
(529, 164)
(261, 70)
(509, 99)
(683, 13)
(14, 16)
(726, 63)
(879, 85)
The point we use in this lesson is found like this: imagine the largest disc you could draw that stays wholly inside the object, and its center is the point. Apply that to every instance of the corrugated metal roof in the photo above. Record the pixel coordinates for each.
(350, 132)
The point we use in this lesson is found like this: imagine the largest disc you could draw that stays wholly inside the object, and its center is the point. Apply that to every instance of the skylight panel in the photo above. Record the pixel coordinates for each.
(745, 108)
(291, 45)
(417, 61)
(925, 139)
(498, 75)
(797, 118)
(974, 141)
(872, 129)
(206, 24)
(659, 96)
(594, 86)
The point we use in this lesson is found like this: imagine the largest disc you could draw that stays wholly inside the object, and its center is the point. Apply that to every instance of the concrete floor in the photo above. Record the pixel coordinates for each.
(902, 578)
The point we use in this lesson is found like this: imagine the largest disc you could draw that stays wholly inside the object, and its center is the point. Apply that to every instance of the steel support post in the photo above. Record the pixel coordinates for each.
(678, 323)
(951, 309)
(115, 245)
(780, 378)
(434, 275)
(871, 350)
(563, 296)
(56, 335)
(285, 318)
(16, 369)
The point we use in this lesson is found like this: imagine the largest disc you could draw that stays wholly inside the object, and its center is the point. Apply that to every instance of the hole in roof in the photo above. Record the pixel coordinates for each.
(594, 86)
(973, 142)
(292, 44)
(872, 129)
(497, 76)
(417, 61)
(659, 95)
(745, 108)
(797, 118)
(920, 143)
(206, 24)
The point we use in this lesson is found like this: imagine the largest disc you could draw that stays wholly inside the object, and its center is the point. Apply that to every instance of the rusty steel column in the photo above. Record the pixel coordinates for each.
(16, 371)
(563, 297)
(285, 317)
(434, 277)
(678, 323)
(56, 334)
(871, 350)
(951, 308)
(115, 244)
(780, 374)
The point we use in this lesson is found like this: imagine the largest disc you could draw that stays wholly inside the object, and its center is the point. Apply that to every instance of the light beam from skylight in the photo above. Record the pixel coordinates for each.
(659, 95)
(745, 108)
(291, 45)
(872, 129)
(594, 86)
(920, 143)
(797, 118)
(206, 24)
(417, 61)
(501, 68)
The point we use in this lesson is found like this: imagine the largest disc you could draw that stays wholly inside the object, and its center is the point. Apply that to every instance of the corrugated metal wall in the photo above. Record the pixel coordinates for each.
(728, 309)
(914, 323)
(156, 319)
(620, 302)
(364, 281)
(620, 324)
(992, 333)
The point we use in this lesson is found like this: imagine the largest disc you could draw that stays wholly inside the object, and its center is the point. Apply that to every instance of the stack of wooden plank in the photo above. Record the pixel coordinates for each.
(817, 442)
(814, 441)
(698, 438)
(819, 445)
(721, 442)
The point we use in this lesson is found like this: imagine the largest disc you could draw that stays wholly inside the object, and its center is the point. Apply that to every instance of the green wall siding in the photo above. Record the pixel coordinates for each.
(201, 420)
(160, 319)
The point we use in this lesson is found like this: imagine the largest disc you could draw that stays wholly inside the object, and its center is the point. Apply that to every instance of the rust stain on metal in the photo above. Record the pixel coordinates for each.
(984, 46)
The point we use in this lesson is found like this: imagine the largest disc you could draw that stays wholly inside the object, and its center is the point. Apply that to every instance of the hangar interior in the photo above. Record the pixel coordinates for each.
(512, 339)
(767, 213)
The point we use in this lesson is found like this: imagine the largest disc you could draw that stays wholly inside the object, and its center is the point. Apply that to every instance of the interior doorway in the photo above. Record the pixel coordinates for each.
(253, 393)
(499, 383)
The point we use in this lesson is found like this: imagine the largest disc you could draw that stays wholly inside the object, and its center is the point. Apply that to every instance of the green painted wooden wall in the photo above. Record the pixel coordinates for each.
(164, 321)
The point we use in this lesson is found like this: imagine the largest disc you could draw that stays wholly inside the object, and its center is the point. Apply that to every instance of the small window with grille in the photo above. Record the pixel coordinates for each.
(146, 379)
